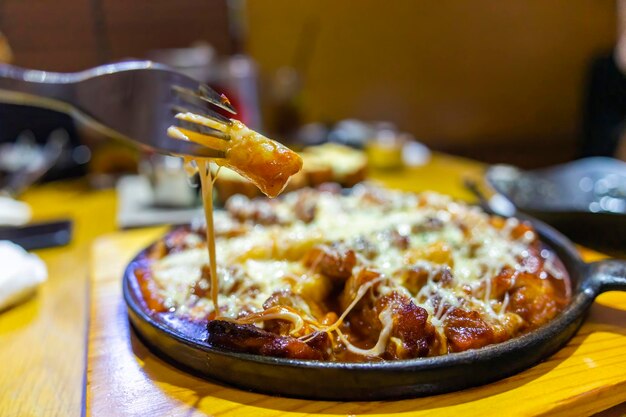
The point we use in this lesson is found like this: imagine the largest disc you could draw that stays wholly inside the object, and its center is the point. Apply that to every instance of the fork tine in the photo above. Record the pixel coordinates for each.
(203, 130)
(202, 111)
(200, 99)
(181, 147)
(220, 100)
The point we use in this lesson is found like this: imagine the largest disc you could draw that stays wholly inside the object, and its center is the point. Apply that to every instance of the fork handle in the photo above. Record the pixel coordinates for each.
(52, 90)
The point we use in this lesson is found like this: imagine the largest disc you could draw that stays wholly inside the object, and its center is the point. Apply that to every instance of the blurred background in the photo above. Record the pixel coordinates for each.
(496, 81)
(528, 83)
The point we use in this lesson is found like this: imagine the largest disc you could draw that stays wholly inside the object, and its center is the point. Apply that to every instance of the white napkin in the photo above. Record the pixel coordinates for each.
(20, 273)
(13, 212)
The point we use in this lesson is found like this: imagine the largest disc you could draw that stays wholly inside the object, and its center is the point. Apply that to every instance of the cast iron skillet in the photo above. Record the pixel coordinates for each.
(381, 380)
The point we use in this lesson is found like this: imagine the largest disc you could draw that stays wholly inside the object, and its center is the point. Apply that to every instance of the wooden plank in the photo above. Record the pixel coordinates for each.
(133, 28)
(55, 36)
(62, 35)
(43, 341)
(63, 60)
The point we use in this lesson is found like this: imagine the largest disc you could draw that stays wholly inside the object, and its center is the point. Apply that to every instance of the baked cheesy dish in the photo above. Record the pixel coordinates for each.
(371, 275)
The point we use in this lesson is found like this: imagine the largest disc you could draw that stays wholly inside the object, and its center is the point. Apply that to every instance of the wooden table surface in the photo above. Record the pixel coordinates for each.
(43, 341)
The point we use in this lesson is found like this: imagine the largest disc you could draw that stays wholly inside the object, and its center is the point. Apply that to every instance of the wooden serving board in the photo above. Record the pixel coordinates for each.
(125, 379)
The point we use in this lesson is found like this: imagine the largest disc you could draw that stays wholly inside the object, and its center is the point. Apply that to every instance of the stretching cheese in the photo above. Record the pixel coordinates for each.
(265, 162)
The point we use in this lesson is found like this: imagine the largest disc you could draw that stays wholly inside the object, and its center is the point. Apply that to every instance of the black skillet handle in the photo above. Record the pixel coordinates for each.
(608, 275)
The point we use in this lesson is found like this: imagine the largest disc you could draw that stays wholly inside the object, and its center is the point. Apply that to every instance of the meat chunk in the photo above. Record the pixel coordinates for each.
(500, 284)
(258, 211)
(287, 298)
(412, 335)
(250, 339)
(396, 239)
(353, 284)
(176, 241)
(535, 300)
(416, 276)
(306, 206)
(333, 261)
(467, 330)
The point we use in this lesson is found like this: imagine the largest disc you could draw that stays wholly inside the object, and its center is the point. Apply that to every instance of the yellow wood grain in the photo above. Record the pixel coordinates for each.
(42, 341)
(126, 379)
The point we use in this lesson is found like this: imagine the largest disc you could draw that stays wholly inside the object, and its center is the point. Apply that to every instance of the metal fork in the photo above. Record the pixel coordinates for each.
(131, 100)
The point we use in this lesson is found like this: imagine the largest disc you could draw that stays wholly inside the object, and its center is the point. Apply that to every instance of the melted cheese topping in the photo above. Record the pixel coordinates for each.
(438, 236)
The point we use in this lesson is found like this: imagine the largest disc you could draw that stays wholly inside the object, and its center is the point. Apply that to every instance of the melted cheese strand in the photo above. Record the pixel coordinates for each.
(207, 198)
(335, 326)
(270, 314)
(314, 264)
(362, 290)
(219, 168)
(386, 318)
(505, 303)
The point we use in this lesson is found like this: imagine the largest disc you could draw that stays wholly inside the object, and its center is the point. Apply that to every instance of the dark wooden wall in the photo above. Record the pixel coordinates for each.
(68, 35)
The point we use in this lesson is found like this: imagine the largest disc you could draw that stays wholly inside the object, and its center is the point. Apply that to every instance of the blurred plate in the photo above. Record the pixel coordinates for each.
(585, 199)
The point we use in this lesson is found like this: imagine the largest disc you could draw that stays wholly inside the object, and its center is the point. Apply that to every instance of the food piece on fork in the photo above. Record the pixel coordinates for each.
(265, 162)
